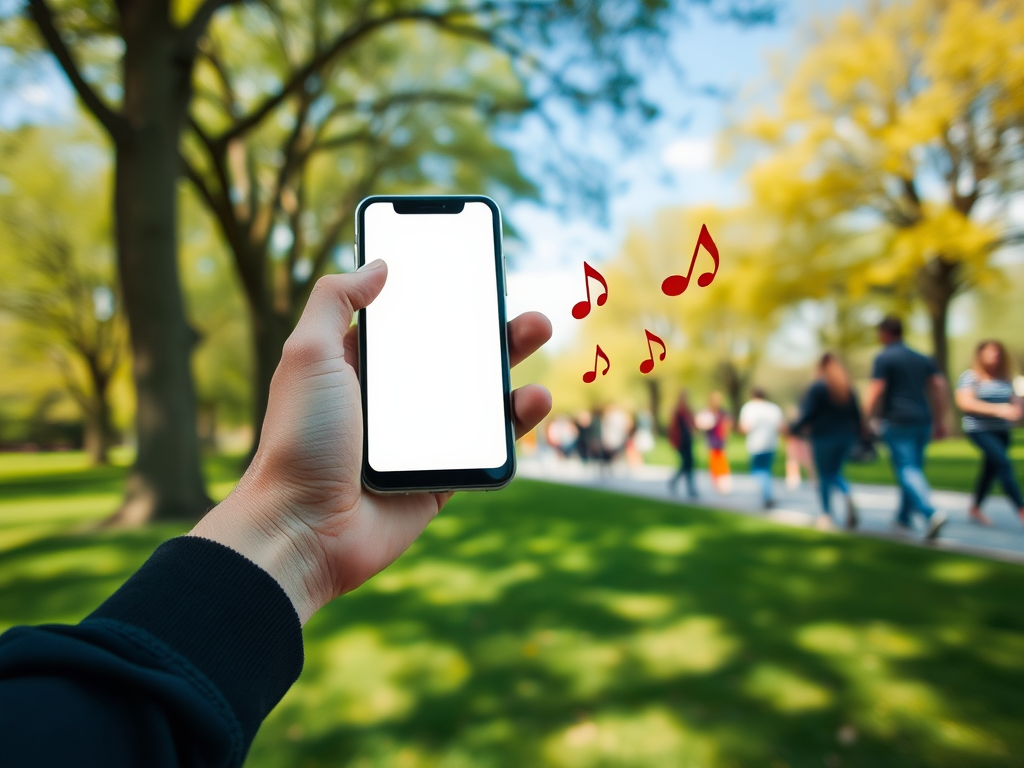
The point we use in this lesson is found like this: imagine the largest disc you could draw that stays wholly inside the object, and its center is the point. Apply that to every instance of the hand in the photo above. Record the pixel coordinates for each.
(940, 431)
(300, 511)
(1010, 411)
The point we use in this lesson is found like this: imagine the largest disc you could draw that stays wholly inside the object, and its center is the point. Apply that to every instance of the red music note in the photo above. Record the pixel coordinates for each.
(590, 376)
(676, 284)
(582, 308)
(648, 365)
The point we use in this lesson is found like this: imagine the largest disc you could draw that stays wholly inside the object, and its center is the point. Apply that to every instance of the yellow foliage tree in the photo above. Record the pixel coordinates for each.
(714, 335)
(905, 122)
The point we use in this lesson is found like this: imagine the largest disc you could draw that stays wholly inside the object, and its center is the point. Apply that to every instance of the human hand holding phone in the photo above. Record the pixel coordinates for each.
(300, 511)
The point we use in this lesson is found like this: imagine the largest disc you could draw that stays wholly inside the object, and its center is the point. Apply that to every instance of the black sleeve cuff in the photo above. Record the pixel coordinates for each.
(224, 614)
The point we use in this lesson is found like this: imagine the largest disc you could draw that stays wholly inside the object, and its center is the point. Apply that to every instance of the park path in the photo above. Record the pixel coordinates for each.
(876, 505)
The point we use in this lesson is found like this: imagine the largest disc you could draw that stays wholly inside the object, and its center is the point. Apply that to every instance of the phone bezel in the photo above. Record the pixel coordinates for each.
(481, 478)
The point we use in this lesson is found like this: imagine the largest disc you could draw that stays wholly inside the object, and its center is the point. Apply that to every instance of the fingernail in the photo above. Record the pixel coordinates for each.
(375, 264)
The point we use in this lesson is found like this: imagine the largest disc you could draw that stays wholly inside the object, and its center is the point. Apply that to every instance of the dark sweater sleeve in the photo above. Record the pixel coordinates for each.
(178, 667)
(808, 410)
(858, 416)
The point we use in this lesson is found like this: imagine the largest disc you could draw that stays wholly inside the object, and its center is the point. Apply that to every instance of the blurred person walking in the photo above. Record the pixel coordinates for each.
(616, 427)
(585, 429)
(680, 434)
(642, 440)
(902, 384)
(831, 414)
(760, 420)
(984, 392)
(798, 455)
(561, 435)
(716, 425)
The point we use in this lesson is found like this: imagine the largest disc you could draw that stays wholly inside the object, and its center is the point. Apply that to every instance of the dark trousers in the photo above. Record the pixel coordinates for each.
(685, 451)
(995, 462)
(829, 455)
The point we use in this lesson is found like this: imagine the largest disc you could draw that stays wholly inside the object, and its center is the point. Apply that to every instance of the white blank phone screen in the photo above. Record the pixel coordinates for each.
(434, 396)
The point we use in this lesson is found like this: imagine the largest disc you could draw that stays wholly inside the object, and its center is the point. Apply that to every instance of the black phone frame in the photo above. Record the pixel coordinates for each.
(430, 480)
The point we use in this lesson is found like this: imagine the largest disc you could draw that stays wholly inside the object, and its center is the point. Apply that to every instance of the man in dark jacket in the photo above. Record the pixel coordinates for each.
(183, 662)
(902, 384)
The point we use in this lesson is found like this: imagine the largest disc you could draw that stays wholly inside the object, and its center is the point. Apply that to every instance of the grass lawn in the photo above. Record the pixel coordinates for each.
(547, 626)
(951, 464)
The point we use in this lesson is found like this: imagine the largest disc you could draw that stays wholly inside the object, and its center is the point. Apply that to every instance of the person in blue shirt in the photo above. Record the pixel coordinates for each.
(908, 393)
(984, 392)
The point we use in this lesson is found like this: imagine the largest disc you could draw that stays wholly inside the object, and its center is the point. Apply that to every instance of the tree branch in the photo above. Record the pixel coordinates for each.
(337, 141)
(229, 225)
(107, 117)
(199, 183)
(343, 41)
(188, 36)
(208, 51)
(403, 98)
(330, 239)
(294, 156)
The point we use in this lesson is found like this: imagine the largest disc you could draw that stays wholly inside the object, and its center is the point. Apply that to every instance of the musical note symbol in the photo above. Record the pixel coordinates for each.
(582, 308)
(590, 376)
(676, 284)
(648, 365)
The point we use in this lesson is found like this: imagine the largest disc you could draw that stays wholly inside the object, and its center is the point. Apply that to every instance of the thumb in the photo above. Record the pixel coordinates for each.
(333, 301)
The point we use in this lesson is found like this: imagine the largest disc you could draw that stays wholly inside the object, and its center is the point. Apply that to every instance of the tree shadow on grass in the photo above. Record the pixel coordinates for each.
(87, 480)
(64, 578)
(552, 626)
(555, 626)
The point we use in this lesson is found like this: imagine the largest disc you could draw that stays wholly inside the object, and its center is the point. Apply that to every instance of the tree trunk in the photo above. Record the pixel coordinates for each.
(270, 330)
(938, 281)
(938, 314)
(654, 398)
(733, 382)
(98, 430)
(166, 481)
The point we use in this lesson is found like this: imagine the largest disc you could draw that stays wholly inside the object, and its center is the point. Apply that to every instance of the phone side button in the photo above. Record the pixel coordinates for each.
(504, 273)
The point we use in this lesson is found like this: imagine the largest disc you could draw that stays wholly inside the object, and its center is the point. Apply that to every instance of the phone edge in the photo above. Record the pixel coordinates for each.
(501, 279)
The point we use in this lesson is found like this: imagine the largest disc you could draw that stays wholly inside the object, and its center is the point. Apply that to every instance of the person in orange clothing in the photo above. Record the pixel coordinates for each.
(716, 425)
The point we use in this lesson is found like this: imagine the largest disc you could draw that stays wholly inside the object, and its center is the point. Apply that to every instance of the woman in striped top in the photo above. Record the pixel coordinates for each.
(985, 394)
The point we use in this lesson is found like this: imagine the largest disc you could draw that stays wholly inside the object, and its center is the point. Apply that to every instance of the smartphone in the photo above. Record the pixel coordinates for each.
(433, 348)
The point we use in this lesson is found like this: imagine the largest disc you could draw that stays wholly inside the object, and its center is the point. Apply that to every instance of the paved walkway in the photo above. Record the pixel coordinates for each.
(876, 505)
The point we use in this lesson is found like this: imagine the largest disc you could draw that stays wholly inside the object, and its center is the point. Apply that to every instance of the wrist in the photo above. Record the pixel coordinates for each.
(258, 524)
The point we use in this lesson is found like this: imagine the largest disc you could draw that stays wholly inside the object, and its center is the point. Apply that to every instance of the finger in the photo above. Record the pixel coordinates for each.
(526, 334)
(530, 404)
(335, 298)
(352, 347)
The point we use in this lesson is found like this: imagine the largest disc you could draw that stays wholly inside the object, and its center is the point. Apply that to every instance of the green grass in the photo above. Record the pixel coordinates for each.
(548, 626)
(950, 465)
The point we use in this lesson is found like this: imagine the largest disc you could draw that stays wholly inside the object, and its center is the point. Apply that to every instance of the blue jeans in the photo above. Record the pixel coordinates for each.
(906, 451)
(829, 455)
(995, 451)
(761, 469)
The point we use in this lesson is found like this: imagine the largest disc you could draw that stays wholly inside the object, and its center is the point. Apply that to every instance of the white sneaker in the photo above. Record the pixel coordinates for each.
(935, 525)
